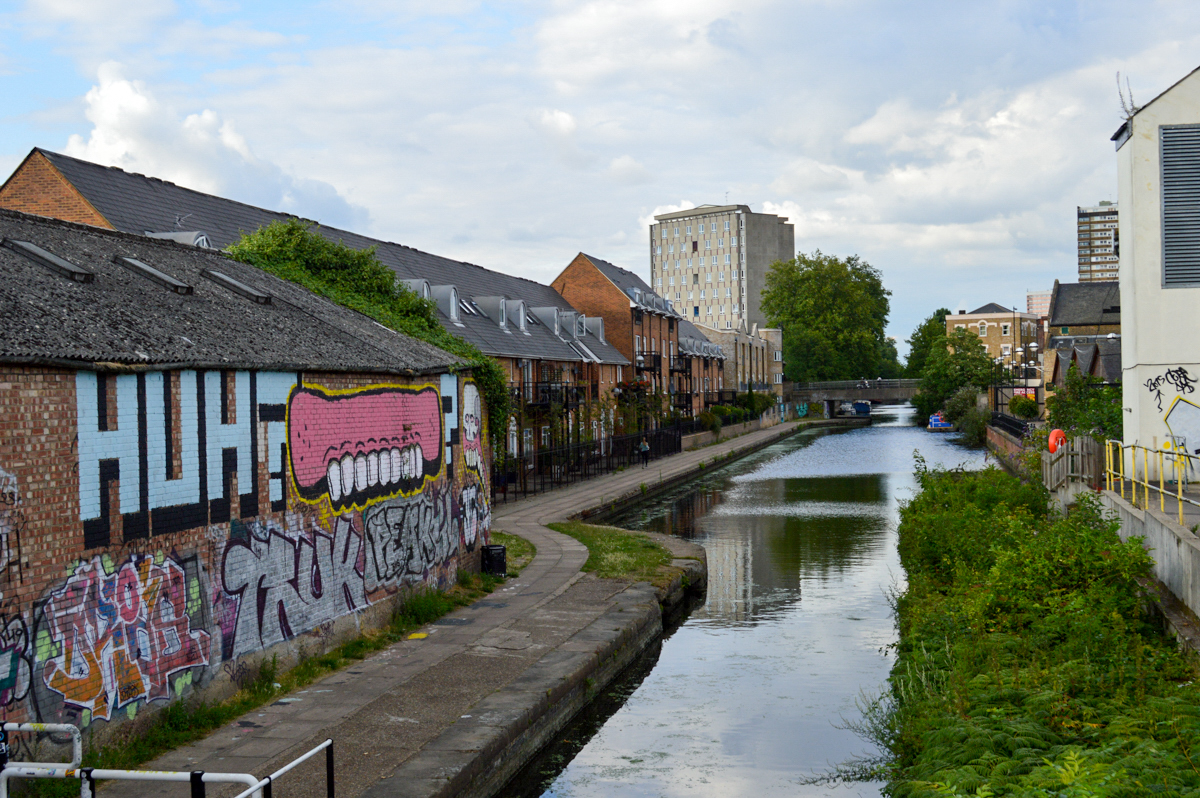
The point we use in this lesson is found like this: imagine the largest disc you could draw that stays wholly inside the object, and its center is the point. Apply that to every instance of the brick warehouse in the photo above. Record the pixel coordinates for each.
(203, 465)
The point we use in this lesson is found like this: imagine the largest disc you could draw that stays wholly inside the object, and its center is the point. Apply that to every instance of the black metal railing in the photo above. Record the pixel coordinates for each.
(540, 470)
(681, 365)
(647, 361)
(1010, 424)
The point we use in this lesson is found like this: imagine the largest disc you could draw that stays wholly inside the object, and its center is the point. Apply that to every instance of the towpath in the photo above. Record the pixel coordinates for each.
(407, 720)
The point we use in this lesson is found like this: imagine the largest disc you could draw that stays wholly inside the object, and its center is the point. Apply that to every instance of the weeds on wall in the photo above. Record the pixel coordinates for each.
(357, 279)
(1026, 663)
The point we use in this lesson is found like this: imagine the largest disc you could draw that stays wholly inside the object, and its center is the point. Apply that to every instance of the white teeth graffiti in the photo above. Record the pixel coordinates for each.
(374, 469)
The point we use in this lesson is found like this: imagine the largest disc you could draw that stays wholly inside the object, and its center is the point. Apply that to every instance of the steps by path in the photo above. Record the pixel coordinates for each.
(393, 716)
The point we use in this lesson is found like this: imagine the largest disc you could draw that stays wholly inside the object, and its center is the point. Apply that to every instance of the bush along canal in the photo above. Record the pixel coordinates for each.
(752, 693)
(1027, 663)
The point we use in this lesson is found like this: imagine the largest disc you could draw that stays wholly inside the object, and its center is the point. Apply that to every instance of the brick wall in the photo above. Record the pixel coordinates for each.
(593, 294)
(37, 187)
(161, 532)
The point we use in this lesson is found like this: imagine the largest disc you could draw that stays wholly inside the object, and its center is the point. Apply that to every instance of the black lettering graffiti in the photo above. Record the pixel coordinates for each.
(1177, 377)
(408, 537)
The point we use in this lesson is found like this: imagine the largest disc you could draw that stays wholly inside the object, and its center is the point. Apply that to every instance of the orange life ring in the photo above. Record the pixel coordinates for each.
(1057, 438)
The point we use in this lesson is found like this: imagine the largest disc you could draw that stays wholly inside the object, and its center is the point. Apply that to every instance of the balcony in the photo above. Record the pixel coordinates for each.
(681, 365)
(682, 401)
(647, 361)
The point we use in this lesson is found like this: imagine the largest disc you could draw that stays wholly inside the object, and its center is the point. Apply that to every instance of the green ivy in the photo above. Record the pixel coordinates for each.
(356, 279)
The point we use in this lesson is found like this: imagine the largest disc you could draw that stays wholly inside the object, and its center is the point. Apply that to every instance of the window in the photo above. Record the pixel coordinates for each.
(689, 229)
(728, 293)
(982, 329)
(714, 260)
(743, 270)
(743, 256)
(664, 232)
(695, 311)
(658, 250)
(742, 222)
(721, 277)
(677, 231)
(701, 228)
(708, 243)
(690, 294)
(720, 242)
(708, 310)
(726, 225)
(1006, 349)
(778, 355)
(545, 436)
(676, 296)
(728, 325)
(670, 280)
(778, 379)
(619, 373)
(708, 277)
(637, 344)
(696, 279)
(733, 241)
(1005, 329)
(670, 249)
(727, 259)
(702, 294)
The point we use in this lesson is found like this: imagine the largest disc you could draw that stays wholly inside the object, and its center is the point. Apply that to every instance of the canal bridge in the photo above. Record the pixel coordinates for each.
(873, 391)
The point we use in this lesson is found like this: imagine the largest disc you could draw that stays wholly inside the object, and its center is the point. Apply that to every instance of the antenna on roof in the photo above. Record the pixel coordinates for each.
(180, 219)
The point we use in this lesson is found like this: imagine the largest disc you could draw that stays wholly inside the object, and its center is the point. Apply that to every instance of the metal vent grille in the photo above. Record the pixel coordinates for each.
(1181, 205)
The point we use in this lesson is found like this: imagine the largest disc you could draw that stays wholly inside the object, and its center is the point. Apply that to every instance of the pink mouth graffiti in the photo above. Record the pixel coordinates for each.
(359, 447)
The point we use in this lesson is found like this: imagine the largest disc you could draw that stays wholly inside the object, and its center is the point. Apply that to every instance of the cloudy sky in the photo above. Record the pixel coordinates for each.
(948, 143)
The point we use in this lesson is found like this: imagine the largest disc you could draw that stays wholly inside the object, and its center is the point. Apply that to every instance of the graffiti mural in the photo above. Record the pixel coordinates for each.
(286, 580)
(408, 539)
(12, 522)
(472, 427)
(1178, 378)
(357, 447)
(16, 660)
(110, 637)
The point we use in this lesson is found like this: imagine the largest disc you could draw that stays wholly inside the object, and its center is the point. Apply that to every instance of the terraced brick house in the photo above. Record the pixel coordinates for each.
(557, 358)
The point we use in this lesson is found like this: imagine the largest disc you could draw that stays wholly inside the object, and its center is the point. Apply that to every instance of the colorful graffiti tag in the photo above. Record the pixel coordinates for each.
(113, 636)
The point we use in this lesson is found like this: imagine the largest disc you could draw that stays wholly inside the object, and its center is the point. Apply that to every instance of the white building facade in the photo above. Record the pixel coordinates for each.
(1158, 168)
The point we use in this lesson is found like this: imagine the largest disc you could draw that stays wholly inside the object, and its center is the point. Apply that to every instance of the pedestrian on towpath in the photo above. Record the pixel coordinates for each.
(645, 450)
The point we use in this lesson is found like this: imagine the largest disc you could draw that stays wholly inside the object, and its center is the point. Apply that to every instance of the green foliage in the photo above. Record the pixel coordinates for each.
(959, 361)
(928, 334)
(711, 421)
(756, 403)
(356, 279)
(1023, 407)
(973, 425)
(1026, 665)
(960, 403)
(833, 312)
(1086, 407)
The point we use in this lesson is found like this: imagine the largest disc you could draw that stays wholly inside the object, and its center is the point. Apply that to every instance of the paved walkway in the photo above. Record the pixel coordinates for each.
(382, 711)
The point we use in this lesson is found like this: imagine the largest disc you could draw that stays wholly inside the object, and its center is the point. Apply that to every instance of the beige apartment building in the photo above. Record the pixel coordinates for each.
(1002, 330)
(753, 358)
(1099, 242)
(712, 261)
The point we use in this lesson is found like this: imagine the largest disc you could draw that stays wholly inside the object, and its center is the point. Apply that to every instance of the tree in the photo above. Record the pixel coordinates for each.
(832, 311)
(929, 332)
(961, 361)
(1086, 406)
(357, 279)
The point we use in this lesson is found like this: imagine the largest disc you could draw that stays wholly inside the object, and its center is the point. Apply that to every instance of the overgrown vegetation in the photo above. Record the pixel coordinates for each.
(1023, 407)
(929, 333)
(1086, 407)
(615, 553)
(957, 361)
(181, 722)
(963, 412)
(1026, 663)
(355, 278)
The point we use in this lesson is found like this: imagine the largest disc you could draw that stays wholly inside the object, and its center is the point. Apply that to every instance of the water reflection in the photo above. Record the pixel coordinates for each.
(746, 695)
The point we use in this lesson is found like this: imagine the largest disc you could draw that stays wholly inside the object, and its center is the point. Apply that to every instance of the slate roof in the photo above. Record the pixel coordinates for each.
(122, 316)
(1085, 304)
(992, 307)
(1101, 359)
(691, 340)
(139, 204)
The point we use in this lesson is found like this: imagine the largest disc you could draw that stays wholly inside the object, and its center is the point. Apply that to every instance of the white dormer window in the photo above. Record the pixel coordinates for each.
(503, 314)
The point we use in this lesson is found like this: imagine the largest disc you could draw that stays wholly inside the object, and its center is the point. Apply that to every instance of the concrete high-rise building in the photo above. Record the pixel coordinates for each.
(1099, 242)
(712, 261)
(1038, 302)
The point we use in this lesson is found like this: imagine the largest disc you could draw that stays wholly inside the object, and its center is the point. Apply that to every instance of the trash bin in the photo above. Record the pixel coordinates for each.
(495, 560)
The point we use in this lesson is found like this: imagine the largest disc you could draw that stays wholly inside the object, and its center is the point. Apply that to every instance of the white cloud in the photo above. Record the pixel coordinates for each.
(558, 123)
(625, 169)
(644, 222)
(133, 130)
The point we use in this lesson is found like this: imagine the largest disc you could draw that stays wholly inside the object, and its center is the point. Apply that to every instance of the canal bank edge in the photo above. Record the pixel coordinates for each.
(609, 505)
(481, 752)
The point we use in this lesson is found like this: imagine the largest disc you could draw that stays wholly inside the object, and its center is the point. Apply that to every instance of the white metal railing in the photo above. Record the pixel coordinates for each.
(1175, 458)
(255, 787)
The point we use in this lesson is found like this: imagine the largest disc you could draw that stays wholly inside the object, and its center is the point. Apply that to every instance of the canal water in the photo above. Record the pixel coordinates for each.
(749, 696)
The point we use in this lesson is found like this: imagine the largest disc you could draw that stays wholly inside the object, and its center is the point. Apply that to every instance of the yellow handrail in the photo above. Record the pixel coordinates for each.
(1178, 459)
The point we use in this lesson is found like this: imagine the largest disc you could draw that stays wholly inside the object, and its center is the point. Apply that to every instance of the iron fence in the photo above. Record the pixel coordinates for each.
(530, 473)
(1010, 424)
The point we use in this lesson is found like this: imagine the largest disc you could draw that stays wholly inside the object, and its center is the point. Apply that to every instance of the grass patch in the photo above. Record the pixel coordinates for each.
(181, 723)
(615, 553)
(518, 551)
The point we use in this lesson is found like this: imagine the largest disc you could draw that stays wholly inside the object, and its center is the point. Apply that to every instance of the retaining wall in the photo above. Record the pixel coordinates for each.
(1175, 549)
